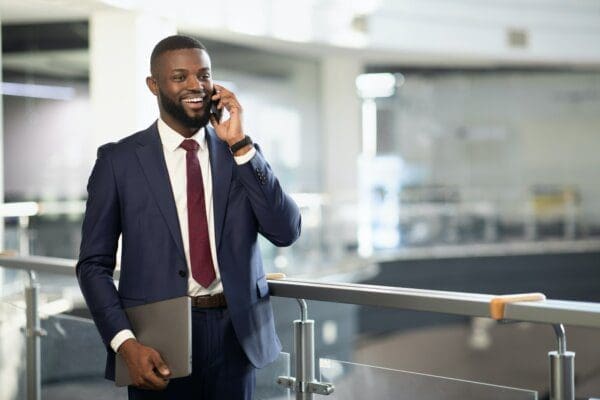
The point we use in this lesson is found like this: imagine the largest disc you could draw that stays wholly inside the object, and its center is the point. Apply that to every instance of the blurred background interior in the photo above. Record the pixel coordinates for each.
(436, 144)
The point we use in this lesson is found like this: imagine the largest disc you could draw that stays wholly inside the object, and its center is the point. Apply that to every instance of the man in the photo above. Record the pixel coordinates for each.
(189, 201)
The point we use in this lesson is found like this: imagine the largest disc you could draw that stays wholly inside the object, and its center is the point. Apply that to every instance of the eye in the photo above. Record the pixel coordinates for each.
(178, 78)
(205, 76)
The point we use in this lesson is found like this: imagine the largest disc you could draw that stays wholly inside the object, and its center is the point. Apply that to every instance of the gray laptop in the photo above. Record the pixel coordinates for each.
(165, 326)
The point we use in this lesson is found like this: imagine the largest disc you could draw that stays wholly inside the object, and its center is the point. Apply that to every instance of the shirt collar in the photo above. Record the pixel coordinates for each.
(171, 140)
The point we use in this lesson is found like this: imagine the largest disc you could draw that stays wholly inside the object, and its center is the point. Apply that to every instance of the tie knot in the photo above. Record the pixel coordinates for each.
(190, 145)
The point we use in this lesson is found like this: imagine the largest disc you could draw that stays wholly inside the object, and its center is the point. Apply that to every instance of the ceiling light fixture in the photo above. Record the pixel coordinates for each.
(37, 91)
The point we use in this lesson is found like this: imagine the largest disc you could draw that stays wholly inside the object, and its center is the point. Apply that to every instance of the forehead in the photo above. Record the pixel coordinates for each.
(188, 59)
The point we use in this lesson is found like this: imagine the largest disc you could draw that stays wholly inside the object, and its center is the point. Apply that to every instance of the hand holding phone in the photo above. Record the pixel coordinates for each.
(230, 130)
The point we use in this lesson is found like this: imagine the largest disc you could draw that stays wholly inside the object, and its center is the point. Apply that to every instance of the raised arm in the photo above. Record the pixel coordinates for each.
(277, 214)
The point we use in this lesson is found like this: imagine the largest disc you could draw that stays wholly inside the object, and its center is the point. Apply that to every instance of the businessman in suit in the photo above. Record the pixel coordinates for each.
(189, 200)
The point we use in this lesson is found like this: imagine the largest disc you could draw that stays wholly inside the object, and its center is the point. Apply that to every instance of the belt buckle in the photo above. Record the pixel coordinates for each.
(207, 300)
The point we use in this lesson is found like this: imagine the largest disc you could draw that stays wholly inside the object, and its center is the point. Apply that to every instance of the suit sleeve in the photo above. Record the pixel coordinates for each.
(277, 214)
(100, 234)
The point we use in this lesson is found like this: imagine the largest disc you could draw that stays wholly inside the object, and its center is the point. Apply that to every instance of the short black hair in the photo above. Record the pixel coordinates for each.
(175, 42)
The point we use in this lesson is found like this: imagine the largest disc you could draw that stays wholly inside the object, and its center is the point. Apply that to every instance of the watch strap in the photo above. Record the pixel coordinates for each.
(238, 145)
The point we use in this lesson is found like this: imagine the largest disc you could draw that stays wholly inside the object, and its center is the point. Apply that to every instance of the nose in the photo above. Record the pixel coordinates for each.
(194, 83)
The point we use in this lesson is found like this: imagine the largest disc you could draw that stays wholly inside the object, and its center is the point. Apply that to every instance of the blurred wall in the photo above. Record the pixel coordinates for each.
(45, 142)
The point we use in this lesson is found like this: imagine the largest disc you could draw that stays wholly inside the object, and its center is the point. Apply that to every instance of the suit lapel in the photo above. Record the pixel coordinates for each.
(221, 166)
(151, 157)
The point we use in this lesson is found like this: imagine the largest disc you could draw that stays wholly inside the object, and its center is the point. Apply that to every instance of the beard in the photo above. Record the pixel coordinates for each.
(177, 111)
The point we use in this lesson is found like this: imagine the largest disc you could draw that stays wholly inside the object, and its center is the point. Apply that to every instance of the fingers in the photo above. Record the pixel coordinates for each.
(220, 90)
(160, 365)
(231, 127)
(147, 368)
(149, 379)
(222, 126)
(226, 98)
(229, 102)
(154, 382)
(156, 372)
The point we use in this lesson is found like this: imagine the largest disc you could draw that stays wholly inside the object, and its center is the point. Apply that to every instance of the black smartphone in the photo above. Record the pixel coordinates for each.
(218, 114)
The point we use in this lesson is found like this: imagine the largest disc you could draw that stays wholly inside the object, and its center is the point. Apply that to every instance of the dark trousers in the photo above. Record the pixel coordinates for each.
(220, 368)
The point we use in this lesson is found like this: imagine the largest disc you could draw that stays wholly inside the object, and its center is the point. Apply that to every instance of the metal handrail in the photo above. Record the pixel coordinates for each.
(52, 265)
(469, 304)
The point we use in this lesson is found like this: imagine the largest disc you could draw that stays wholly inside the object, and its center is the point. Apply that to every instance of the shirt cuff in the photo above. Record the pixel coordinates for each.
(121, 337)
(243, 159)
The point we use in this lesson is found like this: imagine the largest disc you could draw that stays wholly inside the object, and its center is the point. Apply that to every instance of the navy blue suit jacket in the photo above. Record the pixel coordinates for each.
(129, 194)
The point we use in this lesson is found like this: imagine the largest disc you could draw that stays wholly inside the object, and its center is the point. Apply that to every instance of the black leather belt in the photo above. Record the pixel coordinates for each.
(209, 301)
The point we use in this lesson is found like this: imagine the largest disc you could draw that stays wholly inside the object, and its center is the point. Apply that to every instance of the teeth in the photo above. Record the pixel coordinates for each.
(194, 100)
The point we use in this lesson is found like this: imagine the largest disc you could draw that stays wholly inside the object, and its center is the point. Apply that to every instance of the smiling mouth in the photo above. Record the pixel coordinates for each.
(193, 100)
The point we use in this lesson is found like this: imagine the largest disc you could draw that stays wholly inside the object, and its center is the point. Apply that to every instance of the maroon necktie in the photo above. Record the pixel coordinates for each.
(203, 270)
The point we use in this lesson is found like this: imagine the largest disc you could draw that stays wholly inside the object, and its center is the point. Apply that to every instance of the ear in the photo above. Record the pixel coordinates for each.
(152, 85)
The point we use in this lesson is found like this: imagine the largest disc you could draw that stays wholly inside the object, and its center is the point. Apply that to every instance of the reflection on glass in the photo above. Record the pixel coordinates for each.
(358, 381)
(73, 358)
(487, 169)
(12, 337)
(266, 380)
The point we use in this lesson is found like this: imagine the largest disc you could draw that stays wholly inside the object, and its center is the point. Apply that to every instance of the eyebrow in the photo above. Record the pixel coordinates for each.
(186, 70)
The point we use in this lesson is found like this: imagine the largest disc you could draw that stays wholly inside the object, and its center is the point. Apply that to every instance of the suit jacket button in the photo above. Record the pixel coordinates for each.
(182, 273)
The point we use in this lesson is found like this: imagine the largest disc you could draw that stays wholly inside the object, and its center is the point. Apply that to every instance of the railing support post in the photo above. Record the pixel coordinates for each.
(304, 383)
(304, 349)
(562, 368)
(33, 331)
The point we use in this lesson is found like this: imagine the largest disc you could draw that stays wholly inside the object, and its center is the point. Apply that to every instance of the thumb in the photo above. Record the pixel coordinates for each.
(160, 365)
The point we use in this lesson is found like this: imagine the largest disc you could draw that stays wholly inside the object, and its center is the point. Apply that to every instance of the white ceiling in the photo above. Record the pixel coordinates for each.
(440, 32)
(20, 11)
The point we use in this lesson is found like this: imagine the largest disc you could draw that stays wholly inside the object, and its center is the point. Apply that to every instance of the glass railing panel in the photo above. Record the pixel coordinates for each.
(359, 381)
(73, 358)
(266, 380)
(12, 284)
(13, 368)
(63, 290)
(479, 350)
(12, 351)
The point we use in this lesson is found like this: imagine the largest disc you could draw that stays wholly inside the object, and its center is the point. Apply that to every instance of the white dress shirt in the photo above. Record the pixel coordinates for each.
(177, 169)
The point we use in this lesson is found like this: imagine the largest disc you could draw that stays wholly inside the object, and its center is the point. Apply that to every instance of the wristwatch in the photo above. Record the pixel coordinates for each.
(242, 143)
